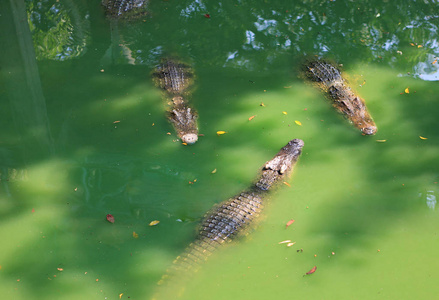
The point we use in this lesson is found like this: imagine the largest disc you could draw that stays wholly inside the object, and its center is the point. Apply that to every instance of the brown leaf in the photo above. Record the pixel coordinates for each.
(312, 270)
(110, 218)
(289, 223)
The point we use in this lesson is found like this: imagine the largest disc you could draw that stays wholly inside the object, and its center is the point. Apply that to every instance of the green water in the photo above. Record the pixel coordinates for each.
(365, 211)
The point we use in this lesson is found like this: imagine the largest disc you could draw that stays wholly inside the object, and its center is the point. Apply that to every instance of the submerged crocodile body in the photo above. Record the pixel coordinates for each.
(231, 217)
(176, 79)
(125, 9)
(330, 80)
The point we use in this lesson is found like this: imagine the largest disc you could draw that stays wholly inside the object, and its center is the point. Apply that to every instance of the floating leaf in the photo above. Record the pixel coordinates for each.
(284, 242)
(214, 171)
(153, 223)
(262, 104)
(381, 141)
(287, 184)
(420, 46)
(311, 271)
(406, 91)
(284, 112)
(290, 244)
(289, 223)
(116, 122)
(110, 218)
(135, 235)
(434, 61)
(422, 138)
(184, 144)
(251, 118)
(60, 269)
(120, 295)
(298, 123)
(220, 132)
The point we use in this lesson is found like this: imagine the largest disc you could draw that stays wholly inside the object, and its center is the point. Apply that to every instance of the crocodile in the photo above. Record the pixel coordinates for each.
(176, 79)
(232, 217)
(125, 9)
(329, 79)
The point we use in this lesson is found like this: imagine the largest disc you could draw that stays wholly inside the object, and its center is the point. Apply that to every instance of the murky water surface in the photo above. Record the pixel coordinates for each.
(84, 135)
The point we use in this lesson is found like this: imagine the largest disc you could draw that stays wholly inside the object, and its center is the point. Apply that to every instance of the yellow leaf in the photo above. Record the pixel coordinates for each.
(381, 141)
(287, 184)
(214, 171)
(284, 242)
(220, 132)
(251, 118)
(135, 235)
(284, 112)
(120, 295)
(412, 44)
(419, 46)
(406, 91)
(298, 123)
(262, 104)
(422, 138)
(153, 223)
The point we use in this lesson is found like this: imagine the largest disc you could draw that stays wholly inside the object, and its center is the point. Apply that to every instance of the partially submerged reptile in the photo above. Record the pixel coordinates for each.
(125, 9)
(176, 79)
(329, 79)
(231, 217)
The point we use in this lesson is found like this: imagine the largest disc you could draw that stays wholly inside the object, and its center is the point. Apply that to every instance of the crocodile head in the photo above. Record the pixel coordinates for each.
(281, 165)
(185, 122)
(369, 130)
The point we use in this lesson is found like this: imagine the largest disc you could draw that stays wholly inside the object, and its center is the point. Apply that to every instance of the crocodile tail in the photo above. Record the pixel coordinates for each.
(190, 261)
